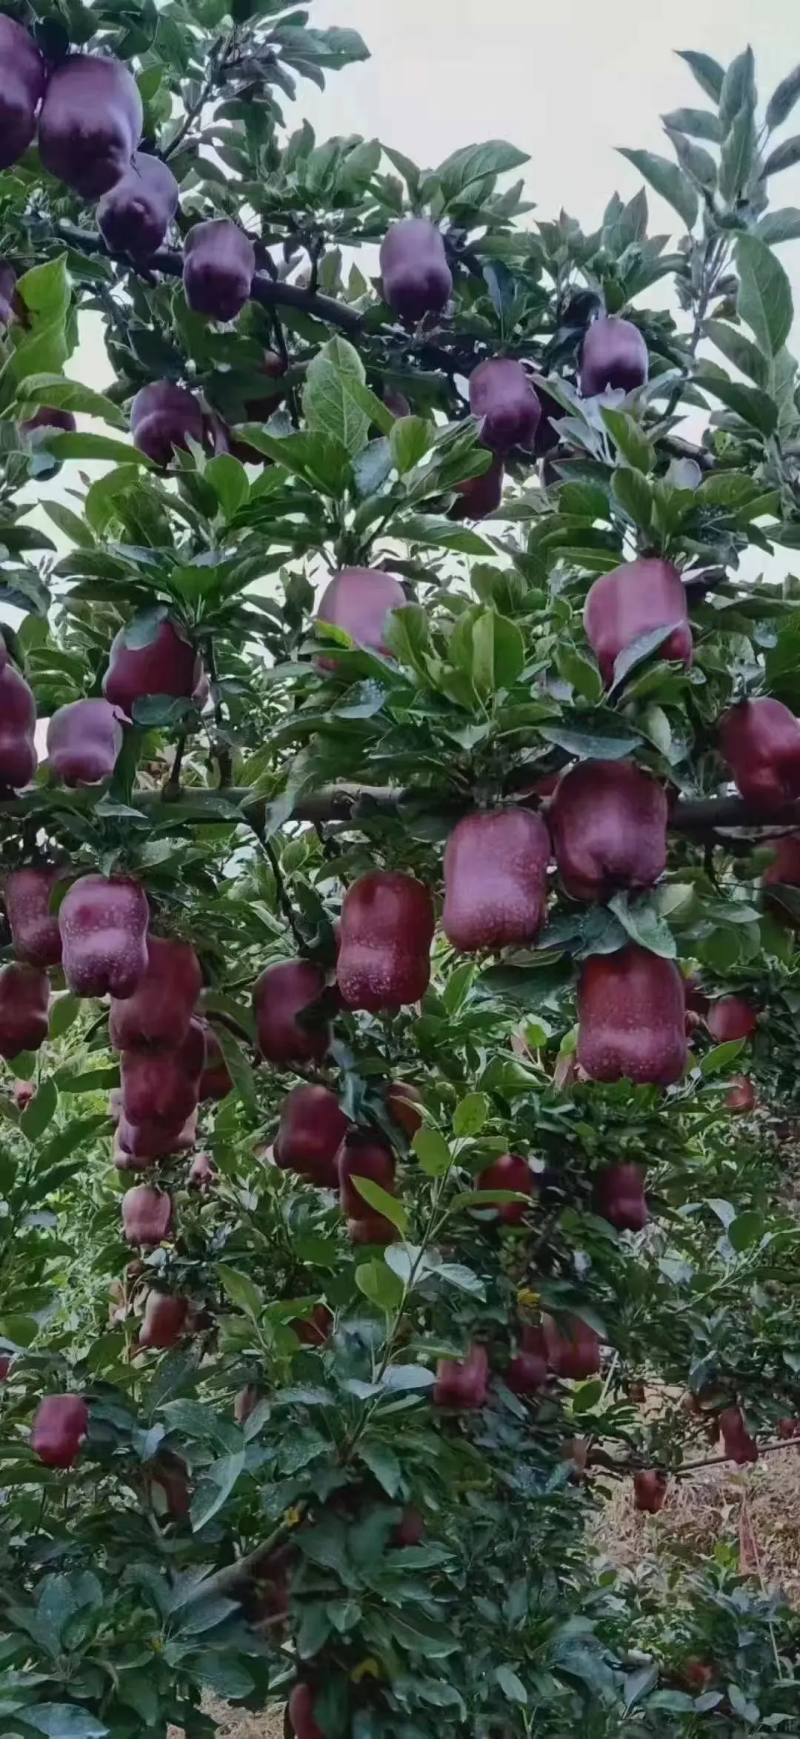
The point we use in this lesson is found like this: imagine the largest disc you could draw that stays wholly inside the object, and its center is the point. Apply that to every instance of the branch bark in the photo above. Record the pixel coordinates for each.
(269, 292)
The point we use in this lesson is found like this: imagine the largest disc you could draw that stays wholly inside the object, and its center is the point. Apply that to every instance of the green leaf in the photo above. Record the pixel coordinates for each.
(644, 925)
(718, 1061)
(579, 670)
(64, 1009)
(382, 1203)
(634, 495)
(401, 1378)
(71, 395)
(45, 289)
(638, 650)
(738, 156)
(215, 1488)
(668, 180)
(629, 438)
(697, 162)
(783, 99)
(229, 481)
(470, 1114)
(749, 402)
(472, 162)
(700, 123)
(410, 438)
(41, 1110)
(328, 401)
(601, 737)
(63, 1721)
(83, 445)
(432, 1151)
(747, 1229)
(511, 1686)
(738, 88)
(241, 1290)
(738, 349)
(765, 295)
(779, 226)
(783, 157)
(379, 1458)
(239, 1068)
(708, 72)
(77, 530)
(380, 1286)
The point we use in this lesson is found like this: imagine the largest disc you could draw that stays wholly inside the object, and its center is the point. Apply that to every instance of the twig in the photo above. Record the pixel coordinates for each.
(269, 292)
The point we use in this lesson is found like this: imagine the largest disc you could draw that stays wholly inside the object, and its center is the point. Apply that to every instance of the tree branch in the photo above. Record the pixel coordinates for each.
(268, 292)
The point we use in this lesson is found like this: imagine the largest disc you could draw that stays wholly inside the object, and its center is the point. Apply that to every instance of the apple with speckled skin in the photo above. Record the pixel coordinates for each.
(83, 741)
(495, 879)
(631, 1017)
(104, 922)
(159, 1013)
(385, 935)
(312, 1129)
(24, 1009)
(35, 934)
(281, 997)
(166, 665)
(359, 601)
(632, 601)
(760, 740)
(731, 1017)
(608, 821)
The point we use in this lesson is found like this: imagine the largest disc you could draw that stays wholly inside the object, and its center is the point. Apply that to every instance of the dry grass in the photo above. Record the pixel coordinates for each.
(239, 1724)
(758, 1505)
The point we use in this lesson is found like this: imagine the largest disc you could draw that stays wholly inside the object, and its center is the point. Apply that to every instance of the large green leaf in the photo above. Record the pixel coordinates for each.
(668, 180)
(765, 295)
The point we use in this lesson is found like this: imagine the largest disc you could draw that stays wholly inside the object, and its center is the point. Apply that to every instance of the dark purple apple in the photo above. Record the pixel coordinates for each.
(90, 123)
(219, 263)
(133, 216)
(164, 416)
(416, 277)
(22, 84)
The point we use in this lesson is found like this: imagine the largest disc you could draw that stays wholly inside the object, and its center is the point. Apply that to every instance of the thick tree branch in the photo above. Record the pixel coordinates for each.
(268, 292)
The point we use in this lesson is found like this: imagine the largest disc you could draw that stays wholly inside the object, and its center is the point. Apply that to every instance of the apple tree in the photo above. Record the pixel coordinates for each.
(399, 764)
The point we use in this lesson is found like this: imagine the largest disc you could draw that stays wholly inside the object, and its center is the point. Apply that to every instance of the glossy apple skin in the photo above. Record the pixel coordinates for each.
(634, 600)
(104, 922)
(60, 1424)
(737, 1443)
(614, 355)
(528, 1371)
(760, 740)
(215, 1081)
(35, 934)
(462, 1383)
(133, 217)
(509, 1172)
(164, 1320)
(312, 1129)
(619, 1197)
(501, 394)
(164, 416)
(83, 742)
(741, 1095)
(573, 1348)
(147, 1216)
(300, 1710)
(479, 496)
(649, 1491)
(138, 1145)
(90, 123)
(18, 757)
(416, 277)
(731, 1017)
(631, 1023)
(167, 665)
(359, 601)
(785, 866)
(24, 1009)
(363, 1156)
(159, 1013)
(22, 86)
(161, 1086)
(385, 937)
(495, 879)
(608, 821)
(219, 263)
(280, 996)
